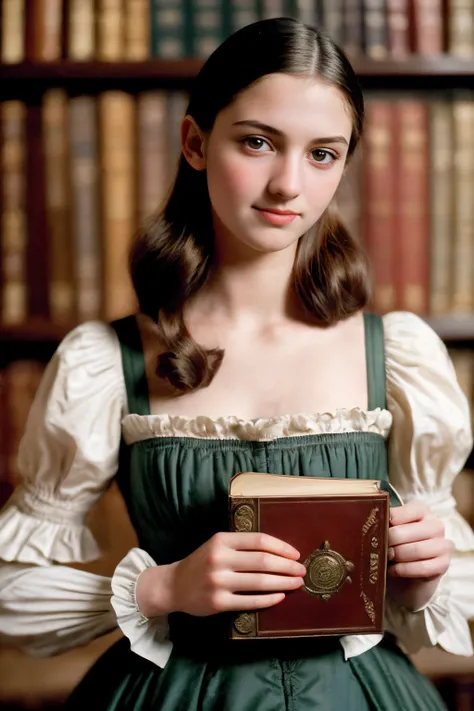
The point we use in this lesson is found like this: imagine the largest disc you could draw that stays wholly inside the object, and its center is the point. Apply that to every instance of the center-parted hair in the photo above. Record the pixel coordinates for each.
(173, 254)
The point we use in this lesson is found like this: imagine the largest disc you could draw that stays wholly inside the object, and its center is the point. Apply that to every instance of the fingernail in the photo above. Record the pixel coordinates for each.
(391, 553)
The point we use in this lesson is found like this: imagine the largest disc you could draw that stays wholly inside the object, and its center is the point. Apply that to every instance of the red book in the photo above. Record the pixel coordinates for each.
(340, 528)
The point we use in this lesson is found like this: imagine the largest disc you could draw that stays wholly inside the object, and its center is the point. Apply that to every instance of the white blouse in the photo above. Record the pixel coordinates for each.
(69, 453)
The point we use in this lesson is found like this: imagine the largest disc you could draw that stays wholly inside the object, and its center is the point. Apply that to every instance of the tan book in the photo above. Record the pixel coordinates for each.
(13, 31)
(441, 205)
(44, 30)
(85, 201)
(117, 159)
(461, 28)
(61, 253)
(14, 223)
(152, 154)
(463, 361)
(110, 30)
(137, 30)
(340, 528)
(81, 30)
(463, 242)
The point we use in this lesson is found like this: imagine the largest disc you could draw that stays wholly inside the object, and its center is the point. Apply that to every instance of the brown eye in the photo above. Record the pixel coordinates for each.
(322, 156)
(254, 142)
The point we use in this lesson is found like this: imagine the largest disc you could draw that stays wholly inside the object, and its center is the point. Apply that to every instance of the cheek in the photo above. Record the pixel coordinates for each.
(229, 179)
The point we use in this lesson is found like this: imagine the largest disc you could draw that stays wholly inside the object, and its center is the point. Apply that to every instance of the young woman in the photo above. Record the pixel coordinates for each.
(251, 352)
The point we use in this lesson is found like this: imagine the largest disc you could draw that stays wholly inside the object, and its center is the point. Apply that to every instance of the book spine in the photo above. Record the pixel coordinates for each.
(152, 152)
(353, 38)
(37, 228)
(427, 23)
(110, 30)
(441, 205)
(55, 135)
(272, 8)
(412, 203)
(333, 20)
(379, 191)
(13, 31)
(14, 233)
(117, 133)
(81, 31)
(398, 29)
(244, 516)
(241, 13)
(461, 28)
(307, 12)
(463, 258)
(84, 180)
(168, 26)
(137, 30)
(177, 102)
(44, 31)
(375, 29)
(207, 27)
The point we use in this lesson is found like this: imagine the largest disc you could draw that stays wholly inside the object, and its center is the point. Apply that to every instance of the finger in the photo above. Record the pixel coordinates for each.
(421, 568)
(422, 550)
(413, 532)
(252, 582)
(253, 602)
(244, 561)
(414, 511)
(261, 542)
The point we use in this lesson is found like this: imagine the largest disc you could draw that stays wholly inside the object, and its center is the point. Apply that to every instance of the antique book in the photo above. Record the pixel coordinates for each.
(340, 528)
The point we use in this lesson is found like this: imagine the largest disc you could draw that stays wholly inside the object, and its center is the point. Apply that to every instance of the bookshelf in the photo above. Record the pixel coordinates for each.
(35, 339)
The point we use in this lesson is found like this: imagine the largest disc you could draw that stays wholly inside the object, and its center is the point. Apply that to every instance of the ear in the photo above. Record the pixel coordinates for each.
(193, 143)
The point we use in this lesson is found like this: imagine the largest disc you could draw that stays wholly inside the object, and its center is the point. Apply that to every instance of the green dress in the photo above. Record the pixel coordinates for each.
(175, 489)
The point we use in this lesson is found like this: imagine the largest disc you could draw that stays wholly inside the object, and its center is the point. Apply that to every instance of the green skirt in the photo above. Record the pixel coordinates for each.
(260, 675)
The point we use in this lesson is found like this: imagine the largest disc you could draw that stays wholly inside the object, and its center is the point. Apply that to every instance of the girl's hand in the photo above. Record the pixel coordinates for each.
(213, 577)
(418, 554)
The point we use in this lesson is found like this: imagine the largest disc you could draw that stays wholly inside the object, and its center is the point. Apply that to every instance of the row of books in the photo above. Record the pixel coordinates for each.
(20, 379)
(136, 30)
(81, 174)
(408, 195)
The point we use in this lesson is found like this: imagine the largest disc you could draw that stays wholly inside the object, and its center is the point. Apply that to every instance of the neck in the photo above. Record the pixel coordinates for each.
(253, 289)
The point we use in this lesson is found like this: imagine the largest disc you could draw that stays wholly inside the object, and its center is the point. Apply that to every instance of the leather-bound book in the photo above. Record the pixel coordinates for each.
(340, 528)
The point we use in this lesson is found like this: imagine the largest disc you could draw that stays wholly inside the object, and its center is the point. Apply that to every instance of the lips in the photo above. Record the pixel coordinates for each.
(277, 217)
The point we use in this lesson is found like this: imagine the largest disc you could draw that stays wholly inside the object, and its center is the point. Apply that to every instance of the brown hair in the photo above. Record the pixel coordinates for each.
(173, 255)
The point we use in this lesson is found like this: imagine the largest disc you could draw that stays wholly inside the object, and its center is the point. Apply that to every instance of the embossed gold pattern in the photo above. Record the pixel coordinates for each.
(326, 572)
(244, 518)
(245, 623)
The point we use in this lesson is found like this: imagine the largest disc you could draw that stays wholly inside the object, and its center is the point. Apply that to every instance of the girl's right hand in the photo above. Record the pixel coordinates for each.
(213, 577)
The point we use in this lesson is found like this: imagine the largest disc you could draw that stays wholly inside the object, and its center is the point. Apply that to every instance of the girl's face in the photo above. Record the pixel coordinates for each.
(280, 146)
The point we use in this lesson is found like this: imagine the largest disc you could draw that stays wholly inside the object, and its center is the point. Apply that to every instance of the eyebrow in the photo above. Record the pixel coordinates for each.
(280, 134)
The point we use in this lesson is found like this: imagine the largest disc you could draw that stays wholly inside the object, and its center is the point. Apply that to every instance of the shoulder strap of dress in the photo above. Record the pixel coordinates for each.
(375, 359)
(133, 364)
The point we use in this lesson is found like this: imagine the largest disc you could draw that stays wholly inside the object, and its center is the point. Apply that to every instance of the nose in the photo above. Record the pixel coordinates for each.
(286, 178)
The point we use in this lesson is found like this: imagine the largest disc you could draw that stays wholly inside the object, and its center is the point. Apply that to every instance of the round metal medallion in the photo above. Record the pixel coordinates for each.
(326, 572)
(244, 623)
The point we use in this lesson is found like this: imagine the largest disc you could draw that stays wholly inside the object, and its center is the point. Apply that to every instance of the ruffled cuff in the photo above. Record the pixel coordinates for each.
(29, 539)
(443, 620)
(148, 638)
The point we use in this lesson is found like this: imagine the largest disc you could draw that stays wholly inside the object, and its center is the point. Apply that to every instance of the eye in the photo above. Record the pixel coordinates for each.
(255, 143)
(323, 157)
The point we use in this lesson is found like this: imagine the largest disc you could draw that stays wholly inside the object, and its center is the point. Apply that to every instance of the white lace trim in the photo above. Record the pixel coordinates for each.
(140, 427)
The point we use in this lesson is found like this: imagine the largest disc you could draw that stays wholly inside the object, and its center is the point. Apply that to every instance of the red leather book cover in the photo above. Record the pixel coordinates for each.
(343, 545)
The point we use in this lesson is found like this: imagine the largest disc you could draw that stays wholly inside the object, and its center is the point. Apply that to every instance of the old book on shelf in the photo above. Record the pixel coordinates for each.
(340, 528)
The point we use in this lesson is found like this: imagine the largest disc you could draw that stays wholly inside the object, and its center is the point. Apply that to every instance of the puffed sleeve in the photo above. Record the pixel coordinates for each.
(429, 443)
(67, 457)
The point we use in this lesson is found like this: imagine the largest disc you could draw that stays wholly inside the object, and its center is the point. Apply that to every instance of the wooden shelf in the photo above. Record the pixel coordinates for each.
(418, 68)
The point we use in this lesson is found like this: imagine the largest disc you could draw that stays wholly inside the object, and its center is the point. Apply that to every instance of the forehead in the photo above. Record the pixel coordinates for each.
(293, 104)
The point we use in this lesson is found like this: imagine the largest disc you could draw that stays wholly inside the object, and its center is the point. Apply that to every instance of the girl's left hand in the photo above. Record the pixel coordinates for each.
(418, 554)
